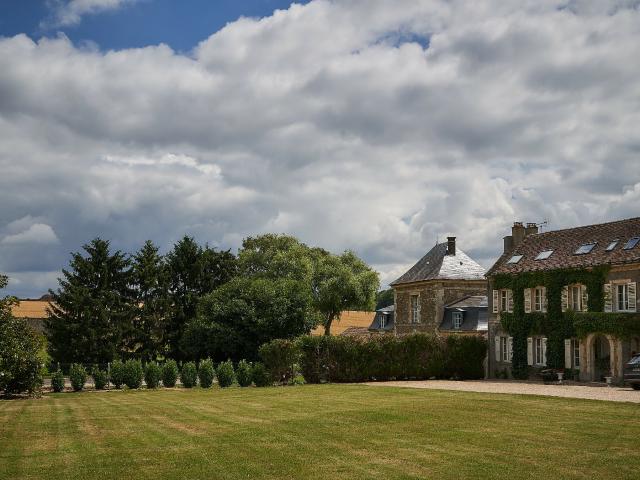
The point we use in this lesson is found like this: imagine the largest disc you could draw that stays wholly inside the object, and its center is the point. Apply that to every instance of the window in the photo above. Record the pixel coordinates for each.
(504, 300)
(539, 353)
(622, 297)
(415, 308)
(383, 320)
(544, 255)
(632, 243)
(504, 352)
(586, 248)
(538, 303)
(457, 320)
(575, 298)
(612, 245)
(515, 259)
(575, 348)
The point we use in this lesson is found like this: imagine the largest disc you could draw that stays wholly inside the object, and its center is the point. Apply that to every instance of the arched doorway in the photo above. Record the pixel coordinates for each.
(601, 358)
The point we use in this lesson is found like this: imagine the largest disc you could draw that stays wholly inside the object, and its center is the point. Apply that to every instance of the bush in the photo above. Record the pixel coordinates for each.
(152, 373)
(206, 373)
(57, 381)
(100, 379)
(297, 380)
(279, 357)
(260, 375)
(465, 356)
(189, 375)
(117, 374)
(225, 374)
(20, 354)
(243, 373)
(78, 377)
(170, 374)
(133, 374)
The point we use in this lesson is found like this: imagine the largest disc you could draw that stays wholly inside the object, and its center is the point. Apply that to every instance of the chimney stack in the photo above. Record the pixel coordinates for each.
(518, 233)
(508, 243)
(451, 245)
(532, 228)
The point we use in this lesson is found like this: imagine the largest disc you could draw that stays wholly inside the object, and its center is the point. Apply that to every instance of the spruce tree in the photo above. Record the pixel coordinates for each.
(92, 311)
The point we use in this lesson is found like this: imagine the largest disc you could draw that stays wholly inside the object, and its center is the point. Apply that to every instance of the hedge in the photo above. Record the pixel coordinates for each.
(243, 373)
(206, 373)
(189, 375)
(225, 374)
(152, 373)
(117, 374)
(133, 374)
(170, 374)
(77, 376)
(57, 381)
(100, 378)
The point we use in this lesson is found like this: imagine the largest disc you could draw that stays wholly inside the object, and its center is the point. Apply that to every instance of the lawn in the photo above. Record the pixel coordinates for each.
(329, 431)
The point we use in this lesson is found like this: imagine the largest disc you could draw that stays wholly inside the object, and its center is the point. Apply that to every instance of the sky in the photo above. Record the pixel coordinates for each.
(375, 126)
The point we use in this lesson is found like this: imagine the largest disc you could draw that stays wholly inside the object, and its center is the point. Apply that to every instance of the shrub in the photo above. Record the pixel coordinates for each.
(465, 356)
(100, 379)
(206, 373)
(225, 374)
(78, 377)
(57, 381)
(189, 375)
(117, 374)
(152, 373)
(260, 375)
(133, 374)
(297, 380)
(279, 357)
(170, 374)
(20, 354)
(243, 373)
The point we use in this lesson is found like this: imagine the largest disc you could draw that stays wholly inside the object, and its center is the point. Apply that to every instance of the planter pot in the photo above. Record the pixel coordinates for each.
(560, 377)
(608, 380)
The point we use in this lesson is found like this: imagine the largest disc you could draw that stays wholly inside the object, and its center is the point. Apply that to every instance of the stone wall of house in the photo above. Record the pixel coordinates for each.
(434, 295)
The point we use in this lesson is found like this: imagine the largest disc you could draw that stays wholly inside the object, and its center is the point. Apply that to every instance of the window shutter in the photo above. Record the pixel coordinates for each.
(608, 301)
(530, 351)
(496, 300)
(544, 299)
(510, 300)
(510, 349)
(585, 298)
(567, 353)
(497, 344)
(632, 297)
(527, 300)
(565, 298)
(544, 351)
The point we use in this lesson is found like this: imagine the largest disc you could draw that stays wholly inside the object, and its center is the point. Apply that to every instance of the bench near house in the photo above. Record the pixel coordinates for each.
(566, 299)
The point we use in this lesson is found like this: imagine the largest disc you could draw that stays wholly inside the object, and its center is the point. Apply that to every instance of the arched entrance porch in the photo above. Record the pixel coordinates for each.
(603, 358)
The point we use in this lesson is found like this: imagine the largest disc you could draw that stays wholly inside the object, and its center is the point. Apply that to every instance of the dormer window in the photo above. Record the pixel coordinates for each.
(457, 320)
(585, 248)
(515, 259)
(544, 255)
(383, 320)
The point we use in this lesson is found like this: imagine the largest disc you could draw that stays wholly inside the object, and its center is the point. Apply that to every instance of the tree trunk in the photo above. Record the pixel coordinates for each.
(327, 325)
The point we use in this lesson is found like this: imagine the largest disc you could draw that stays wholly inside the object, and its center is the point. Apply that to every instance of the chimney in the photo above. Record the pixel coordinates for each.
(451, 245)
(518, 233)
(531, 229)
(508, 243)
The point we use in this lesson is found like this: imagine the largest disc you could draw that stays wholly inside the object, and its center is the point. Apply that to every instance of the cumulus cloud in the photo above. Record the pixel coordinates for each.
(70, 12)
(351, 124)
(38, 233)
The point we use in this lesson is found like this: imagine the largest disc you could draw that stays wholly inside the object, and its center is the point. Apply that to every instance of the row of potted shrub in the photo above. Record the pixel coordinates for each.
(132, 373)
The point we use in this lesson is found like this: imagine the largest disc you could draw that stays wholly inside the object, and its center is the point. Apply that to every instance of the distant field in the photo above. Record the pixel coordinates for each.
(330, 431)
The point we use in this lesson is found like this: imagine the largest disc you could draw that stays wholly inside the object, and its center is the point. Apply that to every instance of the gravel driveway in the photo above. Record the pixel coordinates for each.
(595, 392)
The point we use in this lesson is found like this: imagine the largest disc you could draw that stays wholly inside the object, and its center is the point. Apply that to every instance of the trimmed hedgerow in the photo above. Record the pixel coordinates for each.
(78, 377)
(57, 381)
(189, 375)
(152, 373)
(117, 373)
(170, 374)
(133, 374)
(225, 374)
(243, 373)
(100, 378)
(206, 373)
(260, 375)
(280, 356)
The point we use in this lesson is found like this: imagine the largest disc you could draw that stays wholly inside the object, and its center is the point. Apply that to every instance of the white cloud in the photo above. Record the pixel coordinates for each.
(350, 124)
(38, 233)
(70, 12)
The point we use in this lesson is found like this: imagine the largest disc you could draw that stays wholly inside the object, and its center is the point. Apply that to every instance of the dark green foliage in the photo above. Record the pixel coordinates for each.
(133, 374)
(206, 373)
(152, 374)
(20, 353)
(280, 357)
(463, 356)
(384, 298)
(193, 272)
(57, 381)
(225, 374)
(100, 379)
(189, 375)
(260, 375)
(117, 374)
(170, 374)
(621, 325)
(77, 376)
(243, 373)
(90, 315)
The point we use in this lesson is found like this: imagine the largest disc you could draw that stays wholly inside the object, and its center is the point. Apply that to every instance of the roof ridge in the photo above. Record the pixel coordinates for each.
(579, 227)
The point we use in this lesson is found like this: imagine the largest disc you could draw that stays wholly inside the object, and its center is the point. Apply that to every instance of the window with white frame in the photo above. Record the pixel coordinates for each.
(622, 297)
(504, 349)
(504, 300)
(538, 351)
(457, 320)
(383, 320)
(575, 298)
(575, 349)
(415, 308)
(538, 303)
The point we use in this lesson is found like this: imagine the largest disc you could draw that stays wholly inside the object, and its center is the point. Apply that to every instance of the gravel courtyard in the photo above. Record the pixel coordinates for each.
(589, 392)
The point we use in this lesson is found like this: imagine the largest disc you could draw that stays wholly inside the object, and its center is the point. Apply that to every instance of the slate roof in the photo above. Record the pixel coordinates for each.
(476, 314)
(437, 265)
(476, 301)
(389, 313)
(564, 243)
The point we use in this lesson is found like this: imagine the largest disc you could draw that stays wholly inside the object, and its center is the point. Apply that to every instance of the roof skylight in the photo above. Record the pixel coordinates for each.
(632, 243)
(612, 245)
(585, 248)
(544, 255)
(515, 259)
